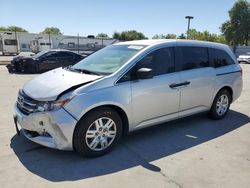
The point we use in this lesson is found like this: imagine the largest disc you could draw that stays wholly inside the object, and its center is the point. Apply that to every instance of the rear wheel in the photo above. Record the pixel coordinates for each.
(221, 104)
(97, 132)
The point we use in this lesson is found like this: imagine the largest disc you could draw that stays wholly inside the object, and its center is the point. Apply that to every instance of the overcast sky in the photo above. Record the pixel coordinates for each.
(94, 16)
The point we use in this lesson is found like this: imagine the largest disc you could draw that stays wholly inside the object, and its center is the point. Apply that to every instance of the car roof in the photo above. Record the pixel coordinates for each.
(152, 42)
(58, 50)
(61, 50)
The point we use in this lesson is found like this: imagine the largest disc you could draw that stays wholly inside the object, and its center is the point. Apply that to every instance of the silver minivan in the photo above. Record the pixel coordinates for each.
(125, 87)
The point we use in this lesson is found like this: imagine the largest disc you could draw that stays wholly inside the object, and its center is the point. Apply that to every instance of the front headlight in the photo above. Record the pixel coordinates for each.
(53, 105)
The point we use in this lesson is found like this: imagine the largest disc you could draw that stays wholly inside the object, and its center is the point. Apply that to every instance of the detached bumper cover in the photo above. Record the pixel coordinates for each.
(52, 129)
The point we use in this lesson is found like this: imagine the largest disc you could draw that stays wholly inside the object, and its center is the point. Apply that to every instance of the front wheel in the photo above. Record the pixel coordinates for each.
(97, 132)
(220, 105)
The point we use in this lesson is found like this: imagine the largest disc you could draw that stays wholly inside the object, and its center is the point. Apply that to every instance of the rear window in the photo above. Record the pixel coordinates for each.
(192, 57)
(219, 58)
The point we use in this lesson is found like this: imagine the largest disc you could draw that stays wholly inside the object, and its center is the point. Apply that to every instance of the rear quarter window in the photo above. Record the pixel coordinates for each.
(219, 58)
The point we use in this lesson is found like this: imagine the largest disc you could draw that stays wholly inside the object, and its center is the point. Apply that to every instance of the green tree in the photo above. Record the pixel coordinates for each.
(170, 36)
(206, 36)
(51, 30)
(167, 36)
(237, 29)
(102, 35)
(161, 36)
(116, 35)
(181, 36)
(13, 28)
(129, 35)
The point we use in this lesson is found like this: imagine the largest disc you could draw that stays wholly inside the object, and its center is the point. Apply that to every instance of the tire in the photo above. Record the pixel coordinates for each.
(91, 139)
(221, 104)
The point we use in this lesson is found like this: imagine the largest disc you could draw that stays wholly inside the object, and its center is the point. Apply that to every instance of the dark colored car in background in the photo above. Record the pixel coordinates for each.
(44, 61)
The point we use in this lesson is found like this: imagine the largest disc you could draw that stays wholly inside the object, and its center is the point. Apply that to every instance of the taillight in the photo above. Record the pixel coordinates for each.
(241, 72)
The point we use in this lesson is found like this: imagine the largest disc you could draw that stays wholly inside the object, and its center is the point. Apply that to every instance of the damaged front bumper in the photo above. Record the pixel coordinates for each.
(11, 68)
(53, 129)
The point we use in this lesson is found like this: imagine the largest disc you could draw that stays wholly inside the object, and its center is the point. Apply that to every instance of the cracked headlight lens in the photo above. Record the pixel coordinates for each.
(53, 105)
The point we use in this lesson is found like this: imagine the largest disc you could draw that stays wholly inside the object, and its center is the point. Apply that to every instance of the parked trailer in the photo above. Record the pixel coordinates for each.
(40, 44)
(31, 42)
(84, 44)
(9, 43)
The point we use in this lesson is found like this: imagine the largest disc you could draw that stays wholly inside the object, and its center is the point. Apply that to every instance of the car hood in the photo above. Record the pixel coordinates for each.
(47, 86)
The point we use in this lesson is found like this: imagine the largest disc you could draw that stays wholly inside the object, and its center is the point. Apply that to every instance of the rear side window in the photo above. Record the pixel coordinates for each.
(160, 61)
(65, 55)
(76, 56)
(192, 57)
(219, 58)
(50, 56)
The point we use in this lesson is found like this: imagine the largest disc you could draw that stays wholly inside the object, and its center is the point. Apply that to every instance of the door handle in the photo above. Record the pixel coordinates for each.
(185, 83)
(174, 85)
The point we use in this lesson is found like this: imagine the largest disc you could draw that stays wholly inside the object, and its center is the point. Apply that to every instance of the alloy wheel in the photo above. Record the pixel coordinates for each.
(222, 105)
(100, 134)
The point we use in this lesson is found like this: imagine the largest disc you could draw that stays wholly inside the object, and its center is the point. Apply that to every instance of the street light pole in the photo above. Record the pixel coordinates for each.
(49, 41)
(189, 18)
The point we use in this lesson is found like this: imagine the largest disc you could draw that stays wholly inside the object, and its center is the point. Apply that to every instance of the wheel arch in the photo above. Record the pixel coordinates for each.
(119, 110)
(228, 88)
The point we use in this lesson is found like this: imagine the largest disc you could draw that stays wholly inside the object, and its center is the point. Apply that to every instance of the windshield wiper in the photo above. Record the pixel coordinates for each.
(88, 72)
(82, 70)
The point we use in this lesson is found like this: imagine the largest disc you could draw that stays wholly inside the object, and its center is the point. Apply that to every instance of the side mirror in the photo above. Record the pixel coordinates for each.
(144, 73)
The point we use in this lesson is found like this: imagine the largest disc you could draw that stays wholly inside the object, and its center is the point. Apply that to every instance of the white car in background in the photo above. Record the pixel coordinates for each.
(244, 58)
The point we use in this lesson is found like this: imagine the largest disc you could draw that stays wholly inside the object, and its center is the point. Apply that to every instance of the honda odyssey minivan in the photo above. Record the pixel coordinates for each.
(124, 87)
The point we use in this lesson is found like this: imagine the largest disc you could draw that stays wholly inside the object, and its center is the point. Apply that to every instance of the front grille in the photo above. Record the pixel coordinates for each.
(25, 103)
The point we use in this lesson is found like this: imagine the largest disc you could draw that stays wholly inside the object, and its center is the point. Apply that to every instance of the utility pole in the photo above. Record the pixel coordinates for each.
(78, 42)
(189, 18)
(16, 41)
(49, 41)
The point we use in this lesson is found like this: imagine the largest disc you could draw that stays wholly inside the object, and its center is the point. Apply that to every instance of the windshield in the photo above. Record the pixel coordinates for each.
(39, 54)
(109, 59)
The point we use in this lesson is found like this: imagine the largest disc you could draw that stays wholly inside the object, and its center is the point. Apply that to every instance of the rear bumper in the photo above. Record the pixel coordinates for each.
(52, 129)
